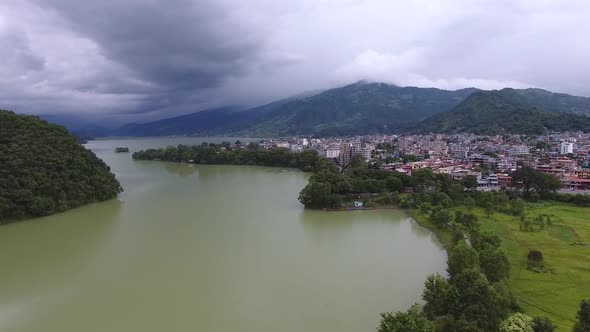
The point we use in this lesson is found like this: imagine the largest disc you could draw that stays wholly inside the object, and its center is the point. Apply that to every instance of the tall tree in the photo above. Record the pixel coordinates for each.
(583, 316)
(462, 257)
(435, 294)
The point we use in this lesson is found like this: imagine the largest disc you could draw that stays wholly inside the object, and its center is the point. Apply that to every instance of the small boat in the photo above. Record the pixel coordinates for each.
(121, 149)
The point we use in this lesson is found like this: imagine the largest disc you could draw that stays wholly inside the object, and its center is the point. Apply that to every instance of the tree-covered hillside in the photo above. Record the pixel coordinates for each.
(370, 108)
(491, 112)
(361, 108)
(43, 170)
(553, 102)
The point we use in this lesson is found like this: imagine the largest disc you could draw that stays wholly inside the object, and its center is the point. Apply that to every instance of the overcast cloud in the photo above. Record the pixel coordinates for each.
(146, 59)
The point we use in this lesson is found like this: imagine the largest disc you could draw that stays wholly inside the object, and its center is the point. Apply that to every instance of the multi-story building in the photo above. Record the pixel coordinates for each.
(332, 153)
(345, 154)
(519, 150)
(566, 148)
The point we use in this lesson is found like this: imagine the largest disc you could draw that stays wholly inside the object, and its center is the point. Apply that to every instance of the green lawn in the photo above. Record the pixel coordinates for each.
(566, 250)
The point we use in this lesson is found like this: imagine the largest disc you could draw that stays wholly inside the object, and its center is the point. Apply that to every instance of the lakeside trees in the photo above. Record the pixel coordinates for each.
(224, 154)
(43, 169)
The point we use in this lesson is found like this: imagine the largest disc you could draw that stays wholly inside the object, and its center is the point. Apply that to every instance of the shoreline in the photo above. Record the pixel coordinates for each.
(443, 235)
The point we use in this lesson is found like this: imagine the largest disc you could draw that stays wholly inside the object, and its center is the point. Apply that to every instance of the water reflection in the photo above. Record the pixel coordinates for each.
(182, 170)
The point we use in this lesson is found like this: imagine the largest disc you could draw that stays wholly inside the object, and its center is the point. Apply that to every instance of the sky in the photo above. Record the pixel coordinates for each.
(139, 60)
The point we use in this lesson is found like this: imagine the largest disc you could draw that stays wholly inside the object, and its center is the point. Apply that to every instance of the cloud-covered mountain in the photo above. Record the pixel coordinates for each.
(359, 108)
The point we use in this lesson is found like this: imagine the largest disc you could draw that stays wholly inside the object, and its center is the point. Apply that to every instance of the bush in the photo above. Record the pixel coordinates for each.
(543, 324)
(518, 322)
(535, 260)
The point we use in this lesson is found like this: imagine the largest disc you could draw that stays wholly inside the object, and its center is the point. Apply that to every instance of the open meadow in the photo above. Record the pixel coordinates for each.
(555, 292)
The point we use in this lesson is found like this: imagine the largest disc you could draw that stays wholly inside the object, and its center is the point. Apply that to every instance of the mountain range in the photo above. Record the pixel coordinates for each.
(372, 108)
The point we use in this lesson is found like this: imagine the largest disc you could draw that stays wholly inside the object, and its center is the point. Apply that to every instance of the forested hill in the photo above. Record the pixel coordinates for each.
(507, 111)
(43, 170)
(360, 108)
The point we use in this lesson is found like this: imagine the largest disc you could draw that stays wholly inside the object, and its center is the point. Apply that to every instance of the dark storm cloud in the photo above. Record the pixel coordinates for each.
(176, 44)
(144, 59)
(16, 53)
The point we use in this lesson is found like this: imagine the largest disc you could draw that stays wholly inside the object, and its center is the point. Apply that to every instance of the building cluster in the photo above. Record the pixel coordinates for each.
(491, 159)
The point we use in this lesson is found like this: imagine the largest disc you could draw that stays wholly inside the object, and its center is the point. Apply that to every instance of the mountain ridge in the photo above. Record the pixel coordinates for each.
(503, 111)
(355, 109)
(352, 109)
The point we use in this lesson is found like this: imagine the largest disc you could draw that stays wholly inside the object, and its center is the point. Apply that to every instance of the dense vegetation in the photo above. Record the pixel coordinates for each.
(43, 170)
(225, 154)
(492, 112)
(488, 235)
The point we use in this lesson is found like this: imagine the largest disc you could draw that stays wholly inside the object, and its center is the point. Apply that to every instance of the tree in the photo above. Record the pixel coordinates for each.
(489, 208)
(547, 183)
(456, 192)
(583, 316)
(532, 180)
(436, 289)
(441, 217)
(517, 207)
(473, 299)
(534, 259)
(517, 322)
(357, 161)
(543, 324)
(525, 177)
(425, 207)
(412, 320)
(423, 177)
(315, 194)
(394, 183)
(469, 182)
(494, 263)
(469, 203)
(462, 257)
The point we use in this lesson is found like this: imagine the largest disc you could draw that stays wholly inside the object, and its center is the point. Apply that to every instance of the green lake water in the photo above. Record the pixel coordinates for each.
(209, 248)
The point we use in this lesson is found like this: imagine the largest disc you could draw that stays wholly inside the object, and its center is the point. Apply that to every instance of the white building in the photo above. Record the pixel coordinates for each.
(518, 150)
(567, 147)
(332, 153)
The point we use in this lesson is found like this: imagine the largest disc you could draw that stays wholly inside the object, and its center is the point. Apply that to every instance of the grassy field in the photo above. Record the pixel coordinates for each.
(566, 249)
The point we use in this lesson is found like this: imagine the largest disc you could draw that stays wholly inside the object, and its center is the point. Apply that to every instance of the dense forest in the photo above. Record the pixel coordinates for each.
(226, 154)
(43, 169)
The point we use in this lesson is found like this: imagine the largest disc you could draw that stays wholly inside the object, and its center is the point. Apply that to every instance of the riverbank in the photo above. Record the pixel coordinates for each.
(444, 235)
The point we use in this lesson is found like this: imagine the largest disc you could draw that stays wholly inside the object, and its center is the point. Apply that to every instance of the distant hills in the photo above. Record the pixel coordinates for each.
(76, 125)
(372, 108)
(360, 108)
(530, 111)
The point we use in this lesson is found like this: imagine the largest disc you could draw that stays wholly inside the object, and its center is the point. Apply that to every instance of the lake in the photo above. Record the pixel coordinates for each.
(209, 248)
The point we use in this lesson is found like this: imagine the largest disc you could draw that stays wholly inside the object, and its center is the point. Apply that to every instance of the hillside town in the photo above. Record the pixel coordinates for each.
(491, 159)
